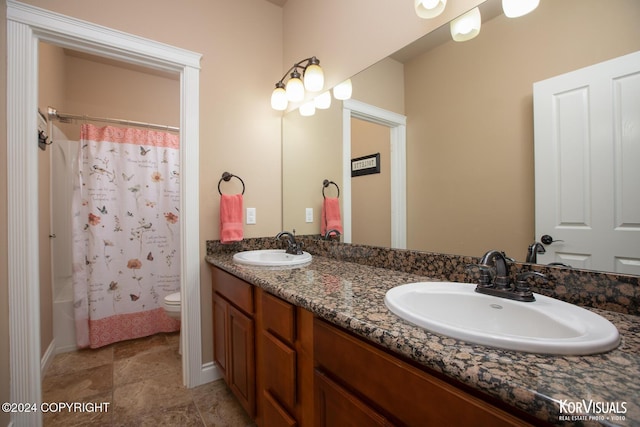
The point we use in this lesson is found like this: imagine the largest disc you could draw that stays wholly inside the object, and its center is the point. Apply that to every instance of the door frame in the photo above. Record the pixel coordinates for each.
(397, 124)
(26, 27)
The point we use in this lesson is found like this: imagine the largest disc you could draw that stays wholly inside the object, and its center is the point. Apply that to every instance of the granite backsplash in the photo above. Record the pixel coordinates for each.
(607, 291)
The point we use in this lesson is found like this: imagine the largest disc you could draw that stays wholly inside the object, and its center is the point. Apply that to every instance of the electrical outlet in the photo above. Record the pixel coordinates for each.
(309, 214)
(251, 215)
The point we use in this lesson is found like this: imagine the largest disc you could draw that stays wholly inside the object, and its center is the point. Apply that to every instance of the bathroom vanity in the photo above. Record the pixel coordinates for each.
(327, 350)
(305, 371)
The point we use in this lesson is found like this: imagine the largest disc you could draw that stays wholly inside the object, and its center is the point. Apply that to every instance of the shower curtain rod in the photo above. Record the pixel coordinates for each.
(53, 114)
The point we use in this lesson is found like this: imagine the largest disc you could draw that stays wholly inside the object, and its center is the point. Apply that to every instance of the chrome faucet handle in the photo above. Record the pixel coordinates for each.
(485, 274)
(293, 247)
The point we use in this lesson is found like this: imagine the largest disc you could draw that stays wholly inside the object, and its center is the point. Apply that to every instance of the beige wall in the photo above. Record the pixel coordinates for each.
(312, 152)
(470, 121)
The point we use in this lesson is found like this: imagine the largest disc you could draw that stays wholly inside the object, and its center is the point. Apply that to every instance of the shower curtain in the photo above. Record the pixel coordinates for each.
(126, 238)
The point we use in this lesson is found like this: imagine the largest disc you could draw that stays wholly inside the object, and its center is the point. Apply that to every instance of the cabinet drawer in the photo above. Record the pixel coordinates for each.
(237, 291)
(274, 415)
(280, 370)
(335, 406)
(278, 317)
(400, 391)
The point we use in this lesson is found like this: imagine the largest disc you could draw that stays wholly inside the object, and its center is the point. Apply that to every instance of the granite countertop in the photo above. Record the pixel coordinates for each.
(552, 388)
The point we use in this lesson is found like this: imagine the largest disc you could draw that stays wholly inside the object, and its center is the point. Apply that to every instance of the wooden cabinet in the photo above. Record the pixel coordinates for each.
(285, 365)
(233, 340)
(355, 380)
(336, 406)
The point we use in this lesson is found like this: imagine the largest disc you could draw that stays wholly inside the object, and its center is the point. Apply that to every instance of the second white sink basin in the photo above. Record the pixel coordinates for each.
(271, 258)
(546, 325)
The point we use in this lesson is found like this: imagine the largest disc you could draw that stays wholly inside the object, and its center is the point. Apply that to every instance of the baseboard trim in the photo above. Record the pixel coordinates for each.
(47, 357)
(209, 373)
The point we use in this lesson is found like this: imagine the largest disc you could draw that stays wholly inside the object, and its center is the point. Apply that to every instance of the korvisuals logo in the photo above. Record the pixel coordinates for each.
(592, 410)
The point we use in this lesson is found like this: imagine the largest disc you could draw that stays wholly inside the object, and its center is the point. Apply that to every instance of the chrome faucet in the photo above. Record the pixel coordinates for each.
(293, 247)
(532, 252)
(500, 285)
(498, 259)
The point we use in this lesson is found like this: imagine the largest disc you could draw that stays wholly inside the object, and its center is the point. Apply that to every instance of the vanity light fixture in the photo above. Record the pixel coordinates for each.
(429, 8)
(307, 109)
(343, 90)
(323, 101)
(467, 26)
(312, 79)
(517, 8)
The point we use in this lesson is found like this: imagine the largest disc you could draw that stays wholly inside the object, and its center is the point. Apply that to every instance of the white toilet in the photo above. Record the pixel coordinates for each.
(172, 305)
(173, 308)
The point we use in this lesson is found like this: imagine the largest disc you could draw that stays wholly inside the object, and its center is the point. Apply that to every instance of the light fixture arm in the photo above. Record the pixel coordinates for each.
(309, 61)
(310, 79)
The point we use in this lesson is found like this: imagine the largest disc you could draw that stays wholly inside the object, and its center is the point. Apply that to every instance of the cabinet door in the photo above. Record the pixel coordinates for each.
(335, 406)
(280, 370)
(241, 378)
(274, 415)
(220, 334)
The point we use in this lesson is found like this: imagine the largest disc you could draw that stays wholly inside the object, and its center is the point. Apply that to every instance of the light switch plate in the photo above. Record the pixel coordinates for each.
(251, 215)
(309, 214)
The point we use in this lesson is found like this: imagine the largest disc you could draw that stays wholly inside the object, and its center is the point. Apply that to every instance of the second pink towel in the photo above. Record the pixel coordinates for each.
(330, 215)
(231, 218)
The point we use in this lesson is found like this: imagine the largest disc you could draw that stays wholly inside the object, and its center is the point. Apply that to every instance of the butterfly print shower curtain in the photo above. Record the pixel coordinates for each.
(126, 233)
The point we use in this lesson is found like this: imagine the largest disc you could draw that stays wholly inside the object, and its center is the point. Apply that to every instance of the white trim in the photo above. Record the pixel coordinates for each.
(397, 124)
(26, 26)
(210, 372)
(47, 358)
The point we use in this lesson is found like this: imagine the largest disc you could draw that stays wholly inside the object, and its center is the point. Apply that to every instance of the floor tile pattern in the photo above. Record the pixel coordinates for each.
(142, 382)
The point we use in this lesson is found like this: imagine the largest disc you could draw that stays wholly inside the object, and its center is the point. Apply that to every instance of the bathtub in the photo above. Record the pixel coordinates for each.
(64, 154)
(64, 327)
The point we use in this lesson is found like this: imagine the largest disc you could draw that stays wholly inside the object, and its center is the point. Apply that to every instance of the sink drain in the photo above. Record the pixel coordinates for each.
(496, 306)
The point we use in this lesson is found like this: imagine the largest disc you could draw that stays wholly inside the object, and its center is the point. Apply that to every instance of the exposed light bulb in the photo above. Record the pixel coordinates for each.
(313, 77)
(343, 90)
(517, 8)
(279, 98)
(307, 109)
(322, 101)
(295, 88)
(429, 8)
(466, 26)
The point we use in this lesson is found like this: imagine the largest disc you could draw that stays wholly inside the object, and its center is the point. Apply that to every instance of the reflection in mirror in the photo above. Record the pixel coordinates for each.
(469, 108)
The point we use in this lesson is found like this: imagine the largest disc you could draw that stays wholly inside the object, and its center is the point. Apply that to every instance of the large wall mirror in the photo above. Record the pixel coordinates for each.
(469, 126)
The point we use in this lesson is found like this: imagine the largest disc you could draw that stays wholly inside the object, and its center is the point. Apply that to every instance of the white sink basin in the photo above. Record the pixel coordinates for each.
(271, 258)
(546, 325)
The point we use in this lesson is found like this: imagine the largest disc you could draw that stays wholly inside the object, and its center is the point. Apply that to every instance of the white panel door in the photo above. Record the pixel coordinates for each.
(587, 166)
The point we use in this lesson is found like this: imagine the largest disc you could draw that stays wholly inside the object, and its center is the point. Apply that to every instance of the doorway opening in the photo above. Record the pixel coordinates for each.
(26, 27)
(398, 166)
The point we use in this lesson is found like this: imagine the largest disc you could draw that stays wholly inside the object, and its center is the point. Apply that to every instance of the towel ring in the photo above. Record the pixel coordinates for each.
(226, 176)
(325, 184)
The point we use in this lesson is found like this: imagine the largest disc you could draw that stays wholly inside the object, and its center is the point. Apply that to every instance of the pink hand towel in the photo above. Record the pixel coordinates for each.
(230, 218)
(330, 215)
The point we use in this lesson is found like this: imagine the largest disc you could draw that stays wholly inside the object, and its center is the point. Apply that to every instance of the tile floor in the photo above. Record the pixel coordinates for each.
(142, 381)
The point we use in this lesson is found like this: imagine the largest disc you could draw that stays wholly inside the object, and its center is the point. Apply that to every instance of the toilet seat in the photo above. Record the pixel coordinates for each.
(172, 299)
(172, 303)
